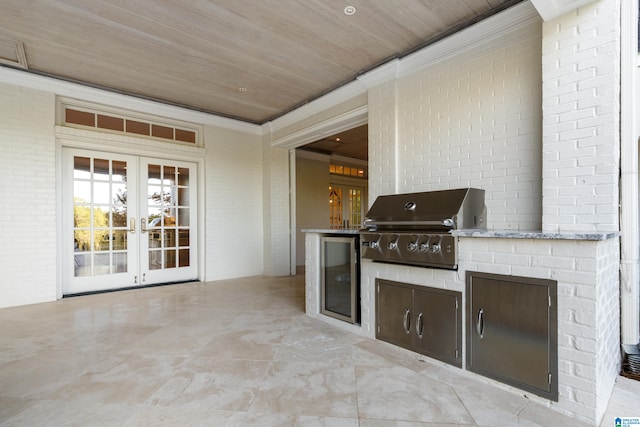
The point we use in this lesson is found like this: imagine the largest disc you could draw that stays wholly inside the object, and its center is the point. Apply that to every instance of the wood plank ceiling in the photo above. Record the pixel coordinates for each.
(252, 60)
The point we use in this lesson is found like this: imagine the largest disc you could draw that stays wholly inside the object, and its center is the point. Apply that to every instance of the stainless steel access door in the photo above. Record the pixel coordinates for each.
(512, 331)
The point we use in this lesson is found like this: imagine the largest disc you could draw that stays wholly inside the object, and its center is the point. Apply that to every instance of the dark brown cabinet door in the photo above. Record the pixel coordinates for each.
(437, 325)
(394, 313)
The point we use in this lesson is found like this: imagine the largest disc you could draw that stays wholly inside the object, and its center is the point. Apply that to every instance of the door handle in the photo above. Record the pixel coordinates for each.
(480, 324)
(419, 325)
(132, 225)
(143, 225)
(406, 321)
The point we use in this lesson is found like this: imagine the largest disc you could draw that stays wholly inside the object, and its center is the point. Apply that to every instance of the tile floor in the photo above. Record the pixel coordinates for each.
(235, 353)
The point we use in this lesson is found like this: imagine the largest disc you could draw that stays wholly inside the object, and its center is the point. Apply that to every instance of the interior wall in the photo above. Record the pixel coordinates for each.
(312, 209)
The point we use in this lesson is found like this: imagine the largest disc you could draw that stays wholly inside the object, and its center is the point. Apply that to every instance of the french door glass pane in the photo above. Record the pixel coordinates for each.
(183, 257)
(100, 216)
(168, 216)
(119, 171)
(335, 207)
(345, 207)
(355, 207)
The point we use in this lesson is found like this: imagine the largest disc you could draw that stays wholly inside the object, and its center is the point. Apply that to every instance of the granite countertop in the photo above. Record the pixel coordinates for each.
(497, 234)
(513, 234)
(331, 231)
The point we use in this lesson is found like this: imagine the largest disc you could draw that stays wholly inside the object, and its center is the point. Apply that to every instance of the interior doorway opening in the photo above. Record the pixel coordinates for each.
(331, 182)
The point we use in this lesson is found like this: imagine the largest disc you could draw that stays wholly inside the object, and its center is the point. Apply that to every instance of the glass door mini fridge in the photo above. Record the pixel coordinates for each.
(340, 278)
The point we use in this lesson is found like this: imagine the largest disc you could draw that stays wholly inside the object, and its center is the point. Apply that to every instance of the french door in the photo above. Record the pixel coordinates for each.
(128, 221)
(345, 206)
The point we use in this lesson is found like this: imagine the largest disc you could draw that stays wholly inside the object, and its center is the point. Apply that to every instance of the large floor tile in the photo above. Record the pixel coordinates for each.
(132, 381)
(64, 413)
(236, 353)
(320, 389)
(212, 383)
(398, 393)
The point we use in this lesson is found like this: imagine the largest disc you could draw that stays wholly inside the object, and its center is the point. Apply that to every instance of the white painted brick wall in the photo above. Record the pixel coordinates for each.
(581, 72)
(312, 274)
(234, 220)
(608, 327)
(474, 120)
(276, 210)
(28, 189)
(382, 137)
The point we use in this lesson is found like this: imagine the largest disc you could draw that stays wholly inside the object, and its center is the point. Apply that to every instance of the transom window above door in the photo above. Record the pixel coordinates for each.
(83, 115)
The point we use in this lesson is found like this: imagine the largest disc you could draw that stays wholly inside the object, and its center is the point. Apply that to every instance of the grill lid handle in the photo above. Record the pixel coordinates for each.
(448, 222)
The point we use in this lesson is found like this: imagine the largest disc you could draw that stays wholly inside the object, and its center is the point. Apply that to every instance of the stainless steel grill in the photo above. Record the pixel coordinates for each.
(415, 228)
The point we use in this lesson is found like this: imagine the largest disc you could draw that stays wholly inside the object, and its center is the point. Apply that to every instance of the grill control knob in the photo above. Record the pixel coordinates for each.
(435, 248)
(373, 245)
(393, 246)
(412, 246)
(424, 247)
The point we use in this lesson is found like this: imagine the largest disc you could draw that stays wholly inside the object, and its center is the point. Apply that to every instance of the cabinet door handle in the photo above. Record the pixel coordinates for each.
(480, 324)
(406, 321)
(419, 326)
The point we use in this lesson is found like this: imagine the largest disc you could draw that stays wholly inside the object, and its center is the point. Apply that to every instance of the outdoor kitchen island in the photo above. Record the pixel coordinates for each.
(585, 267)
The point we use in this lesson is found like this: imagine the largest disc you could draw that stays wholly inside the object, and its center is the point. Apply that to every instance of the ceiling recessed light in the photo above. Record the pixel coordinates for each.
(349, 10)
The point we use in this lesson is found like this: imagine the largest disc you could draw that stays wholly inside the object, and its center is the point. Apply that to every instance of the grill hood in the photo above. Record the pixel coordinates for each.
(432, 210)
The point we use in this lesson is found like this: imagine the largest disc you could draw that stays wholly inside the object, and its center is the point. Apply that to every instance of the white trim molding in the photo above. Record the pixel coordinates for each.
(629, 204)
(550, 9)
(118, 100)
(381, 74)
(337, 124)
(495, 27)
(341, 94)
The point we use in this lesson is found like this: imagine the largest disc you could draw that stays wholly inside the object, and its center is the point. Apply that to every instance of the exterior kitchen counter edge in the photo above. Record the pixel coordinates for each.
(540, 235)
(331, 231)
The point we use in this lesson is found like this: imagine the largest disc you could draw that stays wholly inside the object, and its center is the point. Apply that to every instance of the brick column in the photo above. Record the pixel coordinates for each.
(581, 113)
